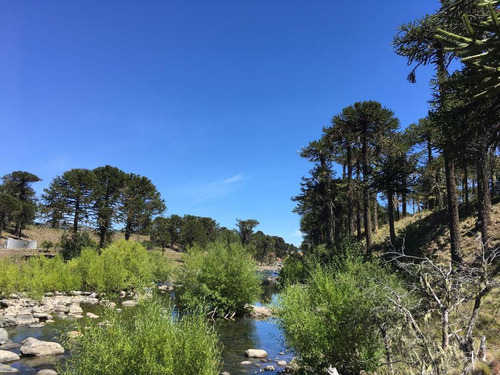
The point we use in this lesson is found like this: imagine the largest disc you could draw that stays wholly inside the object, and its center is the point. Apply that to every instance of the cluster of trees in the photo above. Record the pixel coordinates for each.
(447, 158)
(104, 198)
(189, 230)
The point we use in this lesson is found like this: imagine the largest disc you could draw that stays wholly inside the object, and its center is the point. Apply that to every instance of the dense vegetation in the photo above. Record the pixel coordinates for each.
(147, 340)
(388, 310)
(122, 265)
(219, 279)
(448, 158)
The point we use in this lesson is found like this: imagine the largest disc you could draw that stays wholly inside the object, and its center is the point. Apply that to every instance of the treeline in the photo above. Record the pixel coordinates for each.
(106, 199)
(192, 230)
(451, 157)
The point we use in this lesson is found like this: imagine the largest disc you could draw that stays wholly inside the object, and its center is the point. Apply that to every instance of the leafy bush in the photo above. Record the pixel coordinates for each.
(297, 268)
(221, 278)
(10, 276)
(294, 271)
(73, 243)
(122, 265)
(146, 340)
(335, 319)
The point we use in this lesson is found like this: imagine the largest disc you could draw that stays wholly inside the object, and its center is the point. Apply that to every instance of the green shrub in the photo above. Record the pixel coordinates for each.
(335, 319)
(10, 276)
(220, 277)
(122, 265)
(293, 271)
(72, 244)
(146, 340)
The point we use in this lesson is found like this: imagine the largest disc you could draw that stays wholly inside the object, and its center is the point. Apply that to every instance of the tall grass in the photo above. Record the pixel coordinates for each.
(123, 265)
(146, 340)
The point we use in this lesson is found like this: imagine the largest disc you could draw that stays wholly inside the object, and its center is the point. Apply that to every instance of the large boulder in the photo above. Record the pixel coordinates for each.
(46, 372)
(256, 353)
(6, 356)
(34, 347)
(5, 369)
(75, 309)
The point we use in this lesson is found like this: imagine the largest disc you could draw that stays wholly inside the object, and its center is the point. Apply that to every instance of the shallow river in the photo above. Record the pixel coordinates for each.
(236, 336)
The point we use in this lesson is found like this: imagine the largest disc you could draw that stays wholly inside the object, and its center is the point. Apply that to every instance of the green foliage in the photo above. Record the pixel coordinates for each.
(123, 265)
(297, 268)
(10, 276)
(336, 318)
(293, 271)
(220, 278)
(73, 243)
(148, 340)
(40, 274)
(140, 202)
(245, 229)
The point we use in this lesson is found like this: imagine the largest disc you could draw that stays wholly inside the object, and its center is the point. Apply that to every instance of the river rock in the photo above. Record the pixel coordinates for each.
(6, 356)
(41, 315)
(25, 318)
(269, 368)
(256, 353)
(92, 316)
(246, 363)
(4, 369)
(46, 372)
(7, 322)
(281, 363)
(128, 303)
(260, 312)
(4, 336)
(34, 347)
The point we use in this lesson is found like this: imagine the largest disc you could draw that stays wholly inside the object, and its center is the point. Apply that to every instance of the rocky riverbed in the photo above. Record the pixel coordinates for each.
(36, 328)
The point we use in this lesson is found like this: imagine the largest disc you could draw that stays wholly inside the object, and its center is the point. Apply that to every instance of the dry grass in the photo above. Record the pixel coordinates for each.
(426, 233)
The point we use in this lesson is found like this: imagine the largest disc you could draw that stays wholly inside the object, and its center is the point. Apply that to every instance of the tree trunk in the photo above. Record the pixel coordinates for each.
(375, 213)
(350, 218)
(483, 192)
(76, 216)
(358, 204)
(390, 214)
(465, 188)
(366, 196)
(453, 218)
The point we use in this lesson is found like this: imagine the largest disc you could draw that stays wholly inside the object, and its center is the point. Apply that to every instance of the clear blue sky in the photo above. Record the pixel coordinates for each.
(209, 99)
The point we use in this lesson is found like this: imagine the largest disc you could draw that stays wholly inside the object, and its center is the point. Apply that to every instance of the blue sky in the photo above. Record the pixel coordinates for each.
(209, 99)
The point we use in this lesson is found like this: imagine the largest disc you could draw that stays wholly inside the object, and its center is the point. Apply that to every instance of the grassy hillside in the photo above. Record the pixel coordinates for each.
(426, 233)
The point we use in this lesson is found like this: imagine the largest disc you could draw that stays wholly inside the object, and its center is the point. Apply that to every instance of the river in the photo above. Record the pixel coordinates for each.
(236, 335)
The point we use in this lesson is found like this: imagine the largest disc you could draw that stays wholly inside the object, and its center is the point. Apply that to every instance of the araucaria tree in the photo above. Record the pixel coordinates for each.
(140, 202)
(18, 186)
(69, 196)
(106, 200)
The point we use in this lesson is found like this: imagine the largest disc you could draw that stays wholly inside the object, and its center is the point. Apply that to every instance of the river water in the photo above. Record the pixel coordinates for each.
(236, 335)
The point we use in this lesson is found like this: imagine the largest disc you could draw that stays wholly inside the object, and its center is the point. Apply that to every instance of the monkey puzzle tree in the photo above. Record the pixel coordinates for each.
(245, 229)
(106, 197)
(70, 196)
(140, 201)
(18, 185)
